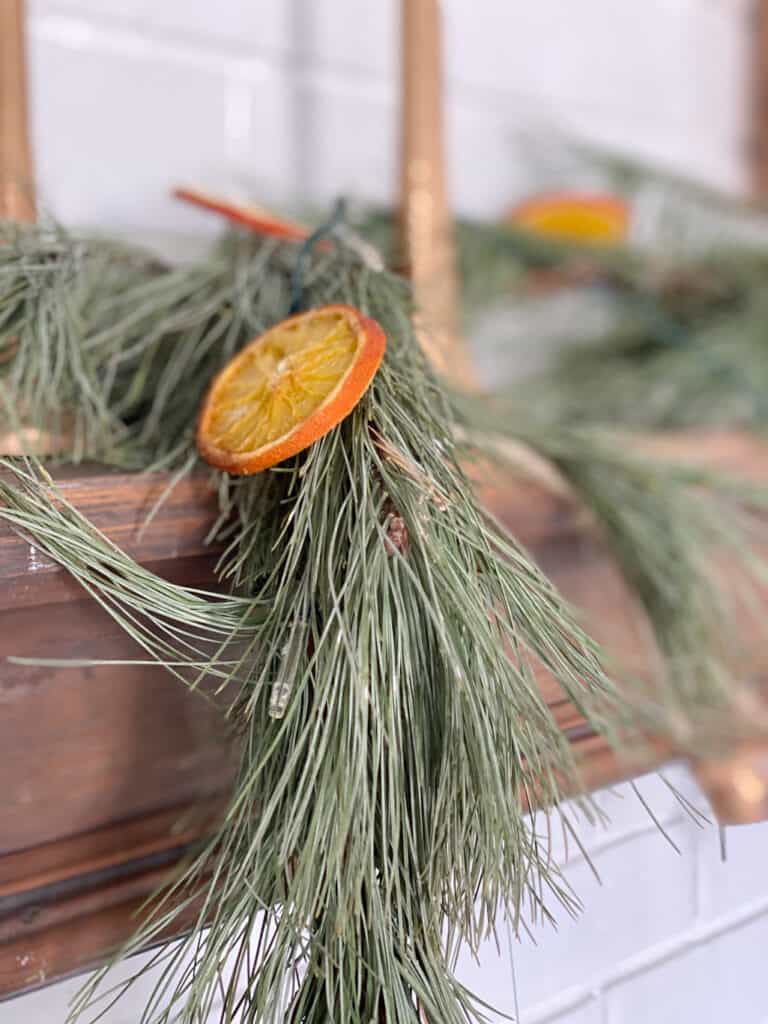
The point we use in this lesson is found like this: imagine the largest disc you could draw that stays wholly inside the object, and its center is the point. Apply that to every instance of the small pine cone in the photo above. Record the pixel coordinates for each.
(397, 539)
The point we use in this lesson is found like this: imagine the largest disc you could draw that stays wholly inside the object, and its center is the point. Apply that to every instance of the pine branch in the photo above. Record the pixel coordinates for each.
(390, 720)
(377, 655)
(670, 526)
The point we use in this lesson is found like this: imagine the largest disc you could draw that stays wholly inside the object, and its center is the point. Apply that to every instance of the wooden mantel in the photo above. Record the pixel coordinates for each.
(108, 774)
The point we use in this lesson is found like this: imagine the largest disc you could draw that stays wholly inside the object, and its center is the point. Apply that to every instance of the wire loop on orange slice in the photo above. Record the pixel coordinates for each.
(248, 215)
(288, 388)
(574, 217)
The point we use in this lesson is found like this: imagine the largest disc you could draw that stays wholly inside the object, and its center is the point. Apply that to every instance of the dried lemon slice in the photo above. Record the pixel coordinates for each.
(289, 387)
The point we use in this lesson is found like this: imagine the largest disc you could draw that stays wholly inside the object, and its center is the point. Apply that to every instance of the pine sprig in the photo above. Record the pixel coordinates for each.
(718, 376)
(669, 526)
(176, 626)
(51, 285)
(685, 343)
(391, 726)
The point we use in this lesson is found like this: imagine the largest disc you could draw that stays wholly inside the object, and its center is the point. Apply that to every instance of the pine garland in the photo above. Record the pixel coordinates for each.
(376, 657)
(686, 342)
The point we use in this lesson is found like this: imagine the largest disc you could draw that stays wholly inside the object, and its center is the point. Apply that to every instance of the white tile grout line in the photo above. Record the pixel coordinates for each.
(81, 33)
(75, 19)
(668, 949)
(246, 63)
(620, 836)
(83, 30)
(566, 1002)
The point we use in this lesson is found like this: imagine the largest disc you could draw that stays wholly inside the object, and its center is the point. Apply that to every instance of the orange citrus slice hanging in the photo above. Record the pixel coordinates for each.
(254, 217)
(288, 387)
(573, 217)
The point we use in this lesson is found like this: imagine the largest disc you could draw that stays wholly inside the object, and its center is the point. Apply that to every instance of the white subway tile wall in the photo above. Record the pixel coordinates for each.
(673, 935)
(296, 100)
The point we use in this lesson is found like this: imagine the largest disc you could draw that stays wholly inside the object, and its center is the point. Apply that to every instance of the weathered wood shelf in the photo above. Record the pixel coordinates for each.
(109, 774)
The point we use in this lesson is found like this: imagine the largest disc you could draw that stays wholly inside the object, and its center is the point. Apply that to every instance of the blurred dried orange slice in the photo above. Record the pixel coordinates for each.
(287, 388)
(573, 217)
(254, 217)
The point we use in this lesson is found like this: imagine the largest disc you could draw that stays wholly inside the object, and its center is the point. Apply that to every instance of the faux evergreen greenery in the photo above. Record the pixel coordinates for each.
(376, 654)
(685, 339)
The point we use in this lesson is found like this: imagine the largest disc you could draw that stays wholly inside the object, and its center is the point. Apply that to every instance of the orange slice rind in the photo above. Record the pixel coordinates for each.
(574, 217)
(247, 215)
(289, 387)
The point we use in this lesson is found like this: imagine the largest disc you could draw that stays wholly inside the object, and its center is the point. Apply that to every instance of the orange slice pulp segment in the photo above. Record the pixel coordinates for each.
(250, 216)
(574, 217)
(288, 387)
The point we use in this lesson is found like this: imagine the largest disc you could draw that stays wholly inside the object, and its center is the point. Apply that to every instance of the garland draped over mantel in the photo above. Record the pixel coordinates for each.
(377, 634)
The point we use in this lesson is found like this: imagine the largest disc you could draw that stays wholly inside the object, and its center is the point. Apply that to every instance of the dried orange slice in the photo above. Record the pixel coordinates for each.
(254, 217)
(574, 217)
(288, 387)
